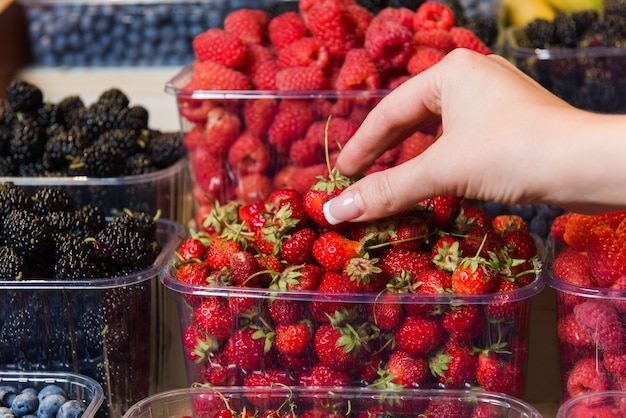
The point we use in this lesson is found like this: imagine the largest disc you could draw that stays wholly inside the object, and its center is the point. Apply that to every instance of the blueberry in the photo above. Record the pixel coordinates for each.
(24, 403)
(71, 409)
(49, 406)
(6, 412)
(539, 226)
(5, 393)
(51, 390)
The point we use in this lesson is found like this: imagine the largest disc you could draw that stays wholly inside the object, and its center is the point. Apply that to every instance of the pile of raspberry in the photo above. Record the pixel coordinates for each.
(245, 148)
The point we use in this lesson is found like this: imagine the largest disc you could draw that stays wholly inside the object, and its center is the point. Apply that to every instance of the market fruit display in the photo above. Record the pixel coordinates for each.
(77, 290)
(427, 298)
(285, 74)
(48, 401)
(588, 272)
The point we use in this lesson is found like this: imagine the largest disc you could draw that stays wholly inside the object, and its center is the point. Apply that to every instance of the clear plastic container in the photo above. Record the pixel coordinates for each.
(111, 330)
(78, 387)
(165, 190)
(611, 404)
(577, 75)
(503, 331)
(346, 402)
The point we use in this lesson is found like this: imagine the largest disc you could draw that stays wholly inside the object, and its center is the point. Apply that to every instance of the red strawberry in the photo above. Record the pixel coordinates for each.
(301, 278)
(388, 42)
(323, 376)
(470, 216)
(474, 275)
(358, 72)
(429, 282)
(333, 250)
(587, 376)
(481, 240)
(436, 38)
(446, 407)
(523, 244)
(419, 336)
(495, 374)
(602, 322)
(298, 247)
(465, 38)
(335, 348)
(211, 75)
(446, 253)
(504, 303)
(246, 349)
(505, 223)
(276, 378)
(193, 273)
(197, 344)
(464, 322)
(406, 370)
(606, 250)
(423, 58)
(192, 248)
(219, 46)
(243, 267)
(395, 262)
(292, 339)
(219, 372)
(285, 29)
(455, 365)
(433, 15)
(386, 311)
(214, 318)
(324, 304)
(444, 209)
(247, 24)
(285, 311)
(248, 154)
(219, 251)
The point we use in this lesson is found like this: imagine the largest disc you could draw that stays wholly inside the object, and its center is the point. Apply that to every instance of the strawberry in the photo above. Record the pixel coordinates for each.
(386, 312)
(285, 311)
(192, 248)
(395, 261)
(495, 374)
(406, 370)
(324, 304)
(219, 251)
(446, 253)
(474, 275)
(278, 379)
(505, 223)
(246, 348)
(214, 318)
(464, 322)
(300, 278)
(197, 344)
(419, 336)
(470, 216)
(252, 215)
(606, 250)
(217, 371)
(501, 306)
(602, 322)
(193, 273)
(219, 46)
(243, 267)
(455, 364)
(335, 348)
(292, 339)
(521, 243)
(297, 248)
(446, 407)
(444, 209)
(333, 250)
(433, 15)
(429, 282)
(320, 193)
(587, 376)
(409, 233)
(481, 240)
(323, 376)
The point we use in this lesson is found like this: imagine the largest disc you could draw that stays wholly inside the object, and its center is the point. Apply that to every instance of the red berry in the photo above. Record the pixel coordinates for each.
(219, 46)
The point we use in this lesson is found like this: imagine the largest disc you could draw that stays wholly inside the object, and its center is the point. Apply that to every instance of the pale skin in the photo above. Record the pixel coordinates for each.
(505, 139)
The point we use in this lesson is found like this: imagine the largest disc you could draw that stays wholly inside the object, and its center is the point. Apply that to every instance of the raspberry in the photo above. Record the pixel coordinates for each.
(300, 78)
(361, 18)
(340, 131)
(253, 187)
(222, 129)
(587, 377)
(258, 115)
(194, 137)
(388, 42)
(302, 178)
(285, 29)
(413, 146)
(291, 122)
(602, 322)
(210, 75)
(432, 15)
(392, 82)
(305, 151)
(437, 38)
(255, 56)
(264, 76)
(209, 172)
(220, 46)
(304, 52)
(248, 24)
(330, 22)
(465, 38)
(194, 110)
(248, 154)
(423, 58)
(358, 72)
(403, 15)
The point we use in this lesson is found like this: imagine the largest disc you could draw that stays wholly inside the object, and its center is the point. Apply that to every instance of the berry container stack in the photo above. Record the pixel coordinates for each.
(588, 273)
(69, 394)
(339, 402)
(579, 56)
(80, 292)
(253, 110)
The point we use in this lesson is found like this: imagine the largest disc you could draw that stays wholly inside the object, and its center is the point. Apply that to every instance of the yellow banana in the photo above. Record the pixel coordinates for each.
(520, 13)
(575, 5)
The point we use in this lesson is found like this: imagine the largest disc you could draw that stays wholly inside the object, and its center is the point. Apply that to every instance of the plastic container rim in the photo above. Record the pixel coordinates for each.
(60, 377)
(570, 403)
(78, 181)
(177, 86)
(517, 51)
(525, 292)
(585, 291)
(351, 393)
(175, 233)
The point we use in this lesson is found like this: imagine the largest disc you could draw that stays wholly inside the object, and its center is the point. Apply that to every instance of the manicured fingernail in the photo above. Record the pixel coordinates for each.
(343, 207)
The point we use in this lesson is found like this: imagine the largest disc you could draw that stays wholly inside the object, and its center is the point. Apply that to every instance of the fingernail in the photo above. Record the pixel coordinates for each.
(346, 206)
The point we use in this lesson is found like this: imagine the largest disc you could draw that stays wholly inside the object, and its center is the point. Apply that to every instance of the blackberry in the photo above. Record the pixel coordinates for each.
(75, 258)
(90, 327)
(7, 114)
(92, 217)
(99, 160)
(28, 139)
(615, 8)
(125, 140)
(373, 6)
(27, 233)
(48, 115)
(5, 137)
(24, 96)
(136, 117)
(583, 20)
(51, 199)
(539, 33)
(565, 32)
(124, 247)
(67, 106)
(8, 166)
(460, 19)
(139, 163)
(35, 168)
(63, 144)
(12, 266)
(605, 32)
(485, 28)
(113, 97)
(13, 197)
(65, 222)
(165, 149)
